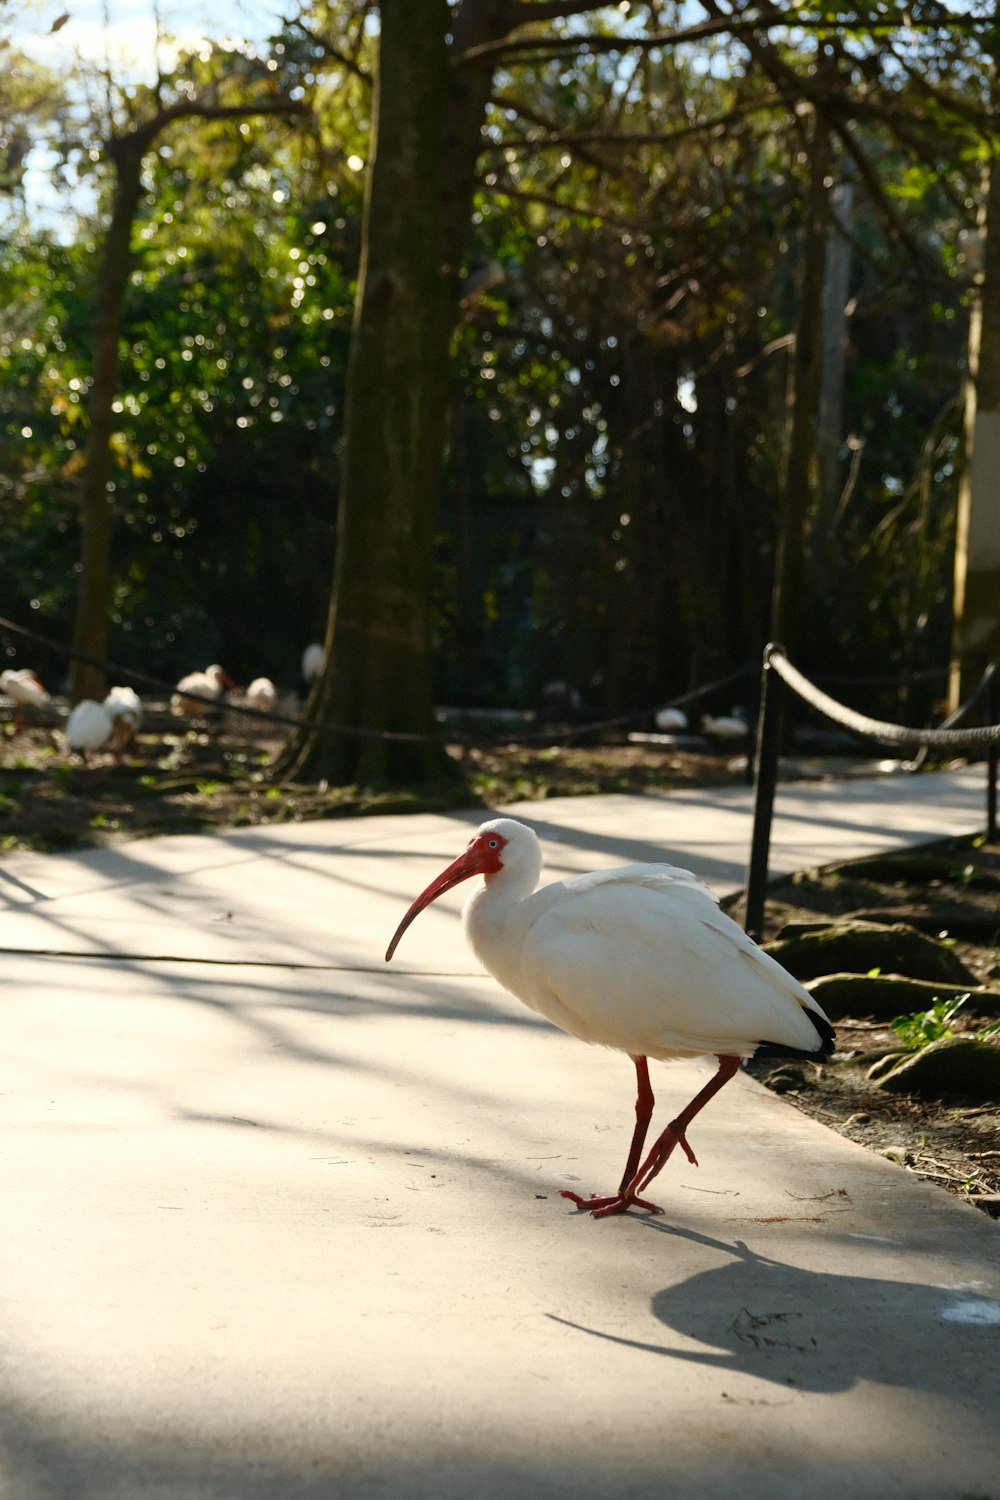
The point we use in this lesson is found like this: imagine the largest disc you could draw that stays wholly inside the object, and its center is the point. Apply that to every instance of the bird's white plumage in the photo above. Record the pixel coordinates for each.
(22, 686)
(671, 720)
(262, 694)
(94, 726)
(313, 662)
(639, 958)
(124, 703)
(125, 707)
(207, 684)
(734, 726)
(89, 727)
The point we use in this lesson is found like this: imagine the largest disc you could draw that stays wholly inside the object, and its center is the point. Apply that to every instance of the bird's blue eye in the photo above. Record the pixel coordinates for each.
(494, 843)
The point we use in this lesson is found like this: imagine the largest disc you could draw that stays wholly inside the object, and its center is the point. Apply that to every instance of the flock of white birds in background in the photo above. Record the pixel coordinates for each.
(112, 724)
(731, 726)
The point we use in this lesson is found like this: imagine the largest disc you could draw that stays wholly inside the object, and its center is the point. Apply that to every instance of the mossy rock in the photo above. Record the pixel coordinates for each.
(885, 996)
(954, 1066)
(886, 1063)
(858, 947)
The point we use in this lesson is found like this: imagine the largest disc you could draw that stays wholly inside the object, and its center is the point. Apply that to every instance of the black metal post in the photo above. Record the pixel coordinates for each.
(765, 780)
(992, 716)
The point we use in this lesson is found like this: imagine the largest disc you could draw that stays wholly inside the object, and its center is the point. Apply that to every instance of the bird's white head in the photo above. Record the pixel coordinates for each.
(502, 845)
(220, 677)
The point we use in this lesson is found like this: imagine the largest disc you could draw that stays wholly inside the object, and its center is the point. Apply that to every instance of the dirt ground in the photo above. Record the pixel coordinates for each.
(178, 780)
(950, 891)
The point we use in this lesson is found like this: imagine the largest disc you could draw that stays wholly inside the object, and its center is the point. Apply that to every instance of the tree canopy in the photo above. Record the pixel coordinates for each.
(546, 438)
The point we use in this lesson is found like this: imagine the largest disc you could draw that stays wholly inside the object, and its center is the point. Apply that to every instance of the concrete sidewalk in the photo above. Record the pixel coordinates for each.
(282, 1222)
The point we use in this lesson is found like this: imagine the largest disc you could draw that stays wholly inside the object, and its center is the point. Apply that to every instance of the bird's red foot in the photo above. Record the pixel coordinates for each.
(615, 1203)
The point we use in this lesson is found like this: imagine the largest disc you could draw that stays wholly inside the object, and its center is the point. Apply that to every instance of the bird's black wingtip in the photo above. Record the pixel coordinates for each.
(826, 1038)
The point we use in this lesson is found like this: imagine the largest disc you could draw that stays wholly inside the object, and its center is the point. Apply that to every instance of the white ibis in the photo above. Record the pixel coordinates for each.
(734, 726)
(313, 662)
(125, 707)
(639, 958)
(96, 726)
(262, 694)
(206, 687)
(671, 720)
(22, 687)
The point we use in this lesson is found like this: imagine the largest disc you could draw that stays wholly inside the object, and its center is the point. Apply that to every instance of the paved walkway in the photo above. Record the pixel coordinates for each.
(282, 1223)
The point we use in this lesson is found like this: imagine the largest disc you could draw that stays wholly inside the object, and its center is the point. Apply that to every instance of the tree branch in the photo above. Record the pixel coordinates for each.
(526, 11)
(716, 25)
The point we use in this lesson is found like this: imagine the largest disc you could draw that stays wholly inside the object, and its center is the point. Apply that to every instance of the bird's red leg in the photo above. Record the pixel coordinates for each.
(616, 1203)
(674, 1135)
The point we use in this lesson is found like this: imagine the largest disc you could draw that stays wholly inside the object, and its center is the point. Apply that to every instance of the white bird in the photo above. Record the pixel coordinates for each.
(89, 727)
(96, 726)
(734, 726)
(207, 685)
(125, 707)
(262, 694)
(22, 687)
(639, 958)
(671, 720)
(313, 662)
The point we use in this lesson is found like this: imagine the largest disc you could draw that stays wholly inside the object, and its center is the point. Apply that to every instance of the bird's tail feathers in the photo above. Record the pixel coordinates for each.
(826, 1039)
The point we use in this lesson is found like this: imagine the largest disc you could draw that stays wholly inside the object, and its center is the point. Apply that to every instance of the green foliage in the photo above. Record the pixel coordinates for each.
(923, 1027)
(618, 399)
(231, 388)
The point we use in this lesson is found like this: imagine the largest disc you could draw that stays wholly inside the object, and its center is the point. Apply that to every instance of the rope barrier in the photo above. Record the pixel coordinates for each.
(324, 726)
(778, 671)
(878, 729)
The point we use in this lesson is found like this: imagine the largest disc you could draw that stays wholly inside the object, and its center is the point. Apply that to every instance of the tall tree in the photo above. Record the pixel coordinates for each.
(433, 83)
(125, 150)
(976, 636)
(394, 437)
(377, 680)
(436, 66)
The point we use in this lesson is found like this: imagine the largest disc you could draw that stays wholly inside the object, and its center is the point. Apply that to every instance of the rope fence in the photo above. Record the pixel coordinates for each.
(778, 675)
(140, 679)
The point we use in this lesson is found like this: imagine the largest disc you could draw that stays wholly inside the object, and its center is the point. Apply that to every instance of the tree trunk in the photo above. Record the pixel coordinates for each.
(976, 608)
(799, 460)
(833, 363)
(90, 631)
(126, 153)
(421, 180)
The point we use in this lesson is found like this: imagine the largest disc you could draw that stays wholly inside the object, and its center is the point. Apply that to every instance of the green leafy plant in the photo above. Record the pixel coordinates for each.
(926, 1026)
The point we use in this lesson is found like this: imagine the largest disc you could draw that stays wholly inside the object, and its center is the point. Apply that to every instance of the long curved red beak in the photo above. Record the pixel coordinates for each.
(467, 864)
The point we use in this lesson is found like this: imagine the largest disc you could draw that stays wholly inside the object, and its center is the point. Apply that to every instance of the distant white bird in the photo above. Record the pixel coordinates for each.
(89, 727)
(313, 662)
(734, 726)
(100, 726)
(639, 958)
(671, 720)
(209, 684)
(125, 707)
(262, 694)
(22, 687)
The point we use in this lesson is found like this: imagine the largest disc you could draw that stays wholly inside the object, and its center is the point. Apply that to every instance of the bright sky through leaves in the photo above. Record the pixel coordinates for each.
(121, 35)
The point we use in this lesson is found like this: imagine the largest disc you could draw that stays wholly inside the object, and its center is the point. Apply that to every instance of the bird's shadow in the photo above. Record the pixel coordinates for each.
(817, 1330)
